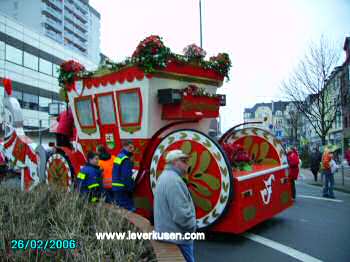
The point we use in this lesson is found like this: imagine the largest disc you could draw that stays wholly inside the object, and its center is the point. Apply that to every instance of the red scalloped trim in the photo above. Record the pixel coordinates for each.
(131, 74)
(127, 74)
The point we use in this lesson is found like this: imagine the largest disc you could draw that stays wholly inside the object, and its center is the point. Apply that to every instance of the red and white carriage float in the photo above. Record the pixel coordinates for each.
(162, 101)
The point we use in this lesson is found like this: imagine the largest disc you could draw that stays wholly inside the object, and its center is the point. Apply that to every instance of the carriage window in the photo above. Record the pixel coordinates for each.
(85, 111)
(129, 104)
(106, 109)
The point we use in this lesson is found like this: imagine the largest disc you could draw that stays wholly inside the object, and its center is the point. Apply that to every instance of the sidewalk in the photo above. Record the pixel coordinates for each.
(341, 183)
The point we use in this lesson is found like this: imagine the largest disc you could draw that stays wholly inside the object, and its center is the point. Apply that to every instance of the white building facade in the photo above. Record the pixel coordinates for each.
(72, 23)
(31, 60)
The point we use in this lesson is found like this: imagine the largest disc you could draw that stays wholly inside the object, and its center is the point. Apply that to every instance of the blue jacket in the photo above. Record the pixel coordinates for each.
(122, 182)
(122, 173)
(89, 178)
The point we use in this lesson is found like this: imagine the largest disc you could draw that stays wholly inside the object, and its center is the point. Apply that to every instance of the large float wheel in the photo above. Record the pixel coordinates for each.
(59, 171)
(209, 178)
(263, 147)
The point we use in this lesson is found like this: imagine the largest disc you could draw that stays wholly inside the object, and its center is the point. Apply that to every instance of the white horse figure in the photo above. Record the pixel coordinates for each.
(16, 146)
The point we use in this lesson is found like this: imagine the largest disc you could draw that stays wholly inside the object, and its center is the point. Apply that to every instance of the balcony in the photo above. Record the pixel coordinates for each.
(73, 47)
(56, 3)
(80, 13)
(55, 25)
(83, 5)
(83, 44)
(81, 34)
(69, 6)
(81, 24)
(49, 10)
(69, 26)
(69, 16)
(53, 35)
(76, 40)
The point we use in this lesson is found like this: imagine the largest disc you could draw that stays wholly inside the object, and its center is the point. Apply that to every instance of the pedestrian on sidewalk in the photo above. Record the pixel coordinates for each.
(174, 210)
(329, 167)
(347, 156)
(316, 158)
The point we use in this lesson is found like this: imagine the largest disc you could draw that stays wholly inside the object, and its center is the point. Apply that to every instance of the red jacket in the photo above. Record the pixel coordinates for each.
(347, 155)
(293, 161)
(65, 123)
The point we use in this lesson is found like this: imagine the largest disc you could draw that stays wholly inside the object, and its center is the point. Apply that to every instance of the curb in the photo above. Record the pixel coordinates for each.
(347, 191)
(165, 252)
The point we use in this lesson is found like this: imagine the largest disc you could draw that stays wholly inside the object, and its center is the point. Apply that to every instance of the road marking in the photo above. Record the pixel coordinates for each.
(321, 198)
(281, 248)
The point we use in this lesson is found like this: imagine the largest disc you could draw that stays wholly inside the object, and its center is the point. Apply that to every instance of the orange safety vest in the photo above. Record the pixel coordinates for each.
(107, 168)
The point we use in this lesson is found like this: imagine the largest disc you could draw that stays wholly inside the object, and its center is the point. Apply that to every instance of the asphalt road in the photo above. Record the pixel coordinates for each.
(313, 230)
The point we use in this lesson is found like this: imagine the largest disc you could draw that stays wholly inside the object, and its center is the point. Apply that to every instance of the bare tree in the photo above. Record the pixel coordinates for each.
(308, 88)
(292, 127)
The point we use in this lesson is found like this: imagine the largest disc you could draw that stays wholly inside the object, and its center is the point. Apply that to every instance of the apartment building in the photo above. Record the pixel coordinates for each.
(271, 115)
(31, 60)
(72, 23)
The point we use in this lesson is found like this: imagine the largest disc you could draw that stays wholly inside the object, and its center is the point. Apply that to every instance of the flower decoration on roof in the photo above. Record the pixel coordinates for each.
(151, 53)
(221, 63)
(194, 52)
(68, 72)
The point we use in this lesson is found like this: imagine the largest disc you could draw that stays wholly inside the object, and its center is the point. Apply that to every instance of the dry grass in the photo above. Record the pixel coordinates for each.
(45, 214)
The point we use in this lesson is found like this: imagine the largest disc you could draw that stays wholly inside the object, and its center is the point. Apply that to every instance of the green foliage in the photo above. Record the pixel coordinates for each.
(55, 214)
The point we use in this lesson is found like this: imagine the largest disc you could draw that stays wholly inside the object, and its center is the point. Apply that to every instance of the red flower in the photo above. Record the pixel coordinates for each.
(72, 66)
(7, 85)
(151, 44)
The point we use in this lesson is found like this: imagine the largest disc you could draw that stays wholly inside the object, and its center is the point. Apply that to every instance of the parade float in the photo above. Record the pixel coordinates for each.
(163, 101)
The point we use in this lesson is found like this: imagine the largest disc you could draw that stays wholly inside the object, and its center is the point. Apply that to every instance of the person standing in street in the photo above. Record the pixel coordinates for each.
(315, 162)
(330, 167)
(89, 178)
(122, 180)
(294, 167)
(347, 156)
(106, 162)
(174, 210)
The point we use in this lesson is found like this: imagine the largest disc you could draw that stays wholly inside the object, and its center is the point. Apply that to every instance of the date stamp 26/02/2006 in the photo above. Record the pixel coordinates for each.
(41, 244)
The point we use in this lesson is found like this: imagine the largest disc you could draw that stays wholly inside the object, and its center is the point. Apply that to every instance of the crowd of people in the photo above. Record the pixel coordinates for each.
(109, 177)
(325, 164)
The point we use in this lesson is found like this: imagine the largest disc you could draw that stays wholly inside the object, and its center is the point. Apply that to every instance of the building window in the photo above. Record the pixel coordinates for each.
(45, 67)
(44, 104)
(30, 61)
(14, 55)
(18, 95)
(56, 70)
(30, 101)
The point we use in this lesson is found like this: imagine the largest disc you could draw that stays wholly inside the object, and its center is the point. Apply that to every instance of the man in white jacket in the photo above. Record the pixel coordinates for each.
(174, 211)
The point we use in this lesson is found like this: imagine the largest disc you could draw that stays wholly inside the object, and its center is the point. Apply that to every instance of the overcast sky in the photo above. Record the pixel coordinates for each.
(265, 39)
